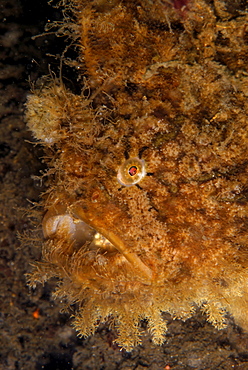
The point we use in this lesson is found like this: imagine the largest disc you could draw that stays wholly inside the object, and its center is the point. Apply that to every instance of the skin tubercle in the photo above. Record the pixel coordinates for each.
(146, 206)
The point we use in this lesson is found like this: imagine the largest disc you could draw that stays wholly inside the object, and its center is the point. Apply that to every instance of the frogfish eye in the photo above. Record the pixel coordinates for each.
(131, 171)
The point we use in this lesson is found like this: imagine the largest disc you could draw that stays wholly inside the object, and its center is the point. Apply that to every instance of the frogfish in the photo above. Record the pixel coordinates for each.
(146, 206)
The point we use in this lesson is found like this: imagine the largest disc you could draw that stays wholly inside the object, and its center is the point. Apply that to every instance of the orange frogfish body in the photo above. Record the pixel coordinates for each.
(146, 209)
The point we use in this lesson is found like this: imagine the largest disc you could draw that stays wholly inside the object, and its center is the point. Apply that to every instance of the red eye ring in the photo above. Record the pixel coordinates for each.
(132, 170)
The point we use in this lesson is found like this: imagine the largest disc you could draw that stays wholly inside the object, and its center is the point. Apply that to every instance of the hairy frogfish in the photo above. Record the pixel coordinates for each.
(146, 206)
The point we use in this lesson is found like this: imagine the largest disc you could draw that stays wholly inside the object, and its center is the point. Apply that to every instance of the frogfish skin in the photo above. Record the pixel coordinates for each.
(146, 207)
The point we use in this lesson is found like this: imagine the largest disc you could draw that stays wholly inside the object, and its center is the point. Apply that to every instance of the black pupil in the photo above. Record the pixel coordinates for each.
(133, 170)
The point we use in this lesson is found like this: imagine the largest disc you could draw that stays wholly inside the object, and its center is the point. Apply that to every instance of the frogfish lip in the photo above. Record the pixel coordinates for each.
(80, 227)
(75, 230)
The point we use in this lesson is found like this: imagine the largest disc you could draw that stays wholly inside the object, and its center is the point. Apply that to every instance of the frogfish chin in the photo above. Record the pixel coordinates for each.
(146, 208)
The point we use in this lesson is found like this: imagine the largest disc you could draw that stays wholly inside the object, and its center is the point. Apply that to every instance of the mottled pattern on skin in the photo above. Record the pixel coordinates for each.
(165, 89)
